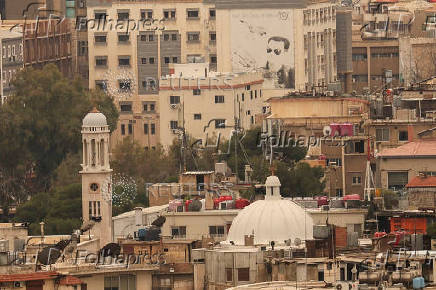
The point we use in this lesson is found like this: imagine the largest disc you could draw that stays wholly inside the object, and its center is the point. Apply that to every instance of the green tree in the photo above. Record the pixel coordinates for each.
(61, 210)
(44, 122)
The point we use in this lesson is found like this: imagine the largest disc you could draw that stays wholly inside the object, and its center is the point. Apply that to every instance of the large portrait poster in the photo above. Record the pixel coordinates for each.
(262, 39)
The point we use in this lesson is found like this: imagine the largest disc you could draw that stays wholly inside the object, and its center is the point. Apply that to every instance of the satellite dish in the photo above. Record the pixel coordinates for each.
(288, 242)
(111, 250)
(297, 242)
(327, 130)
(159, 221)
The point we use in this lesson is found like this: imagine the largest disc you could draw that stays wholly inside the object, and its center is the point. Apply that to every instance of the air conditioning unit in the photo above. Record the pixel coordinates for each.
(174, 131)
(18, 284)
(174, 106)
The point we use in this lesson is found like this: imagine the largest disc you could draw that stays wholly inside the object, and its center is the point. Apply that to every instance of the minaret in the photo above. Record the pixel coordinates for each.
(97, 176)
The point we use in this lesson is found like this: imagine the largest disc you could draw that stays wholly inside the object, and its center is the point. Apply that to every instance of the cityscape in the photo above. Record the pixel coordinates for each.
(217, 144)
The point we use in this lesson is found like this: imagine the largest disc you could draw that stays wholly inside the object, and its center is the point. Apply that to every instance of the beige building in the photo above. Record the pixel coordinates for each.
(197, 225)
(206, 106)
(305, 52)
(161, 33)
(398, 166)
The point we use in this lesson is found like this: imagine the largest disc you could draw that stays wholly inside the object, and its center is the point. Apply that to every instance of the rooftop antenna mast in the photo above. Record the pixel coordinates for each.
(369, 178)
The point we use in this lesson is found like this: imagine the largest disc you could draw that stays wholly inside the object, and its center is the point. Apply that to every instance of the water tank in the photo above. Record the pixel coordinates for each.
(149, 233)
(336, 203)
(353, 203)
(195, 205)
(4, 246)
(346, 129)
(320, 231)
(418, 283)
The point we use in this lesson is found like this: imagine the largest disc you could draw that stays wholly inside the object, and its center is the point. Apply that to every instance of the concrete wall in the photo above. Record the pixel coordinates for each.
(197, 223)
(410, 165)
(11, 233)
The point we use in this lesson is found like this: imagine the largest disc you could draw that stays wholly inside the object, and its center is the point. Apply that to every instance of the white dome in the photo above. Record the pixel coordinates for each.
(94, 119)
(269, 220)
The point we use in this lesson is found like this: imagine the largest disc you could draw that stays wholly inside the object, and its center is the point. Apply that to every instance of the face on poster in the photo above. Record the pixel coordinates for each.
(262, 39)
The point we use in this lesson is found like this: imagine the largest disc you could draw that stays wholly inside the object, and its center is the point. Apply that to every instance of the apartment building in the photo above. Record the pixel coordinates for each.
(392, 42)
(296, 48)
(11, 60)
(129, 63)
(207, 106)
(48, 41)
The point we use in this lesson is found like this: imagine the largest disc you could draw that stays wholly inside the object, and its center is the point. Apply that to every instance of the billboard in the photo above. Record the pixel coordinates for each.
(262, 39)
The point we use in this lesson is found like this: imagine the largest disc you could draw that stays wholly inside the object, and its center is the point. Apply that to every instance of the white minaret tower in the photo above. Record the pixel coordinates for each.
(97, 176)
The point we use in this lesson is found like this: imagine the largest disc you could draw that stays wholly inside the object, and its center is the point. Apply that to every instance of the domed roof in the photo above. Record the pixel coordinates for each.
(269, 220)
(94, 119)
(272, 219)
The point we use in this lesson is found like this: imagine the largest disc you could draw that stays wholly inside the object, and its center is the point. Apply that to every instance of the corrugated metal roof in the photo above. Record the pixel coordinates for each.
(29, 276)
(197, 172)
(411, 149)
(429, 181)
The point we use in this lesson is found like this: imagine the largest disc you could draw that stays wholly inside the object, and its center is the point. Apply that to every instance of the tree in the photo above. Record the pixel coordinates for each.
(44, 122)
(61, 210)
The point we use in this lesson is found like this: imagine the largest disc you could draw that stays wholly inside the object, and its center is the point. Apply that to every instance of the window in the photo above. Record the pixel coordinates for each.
(213, 59)
(196, 92)
(334, 162)
(197, 116)
(153, 128)
(123, 15)
(147, 37)
(178, 232)
(175, 60)
(148, 107)
(151, 60)
(126, 107)
(229, 274)
(216, 231)
(152, 107)
(220, 123)
(357, 180)
(124, 60)
(219, 99)
(174, 100)
(146, 14)
(121, 282)
(101, 61)
(146, 129)
(100, 15)
(144, 84)
(144, 60)
(123, 37)
(212, 13)
(174, 125)
(166, 59)
(124, 85)
(145, 107)
(382, 134)
(193, 36)
(123, 129)
(212, 36)
(174, 36)
(397, 179)
(192, 13)
(320, 275)
(130, 128)
(403, 136)
(243, 97)
(169, 14)
(243, 274)
(166, 37)
(100, 39)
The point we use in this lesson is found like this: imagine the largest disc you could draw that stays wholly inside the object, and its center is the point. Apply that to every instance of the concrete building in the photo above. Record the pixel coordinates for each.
(295, 56)
(196, 225)
(164, 34)
(207, 106)
(421, 191)
(397, 166)
(48, 41)
(11, 60)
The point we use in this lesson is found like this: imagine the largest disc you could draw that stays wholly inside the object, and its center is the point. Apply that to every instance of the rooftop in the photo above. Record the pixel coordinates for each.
(415, 149)
(424, 181)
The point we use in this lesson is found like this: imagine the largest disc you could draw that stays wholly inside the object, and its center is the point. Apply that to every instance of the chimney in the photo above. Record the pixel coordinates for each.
(410, 133)
(42, 229)
(208, 204)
